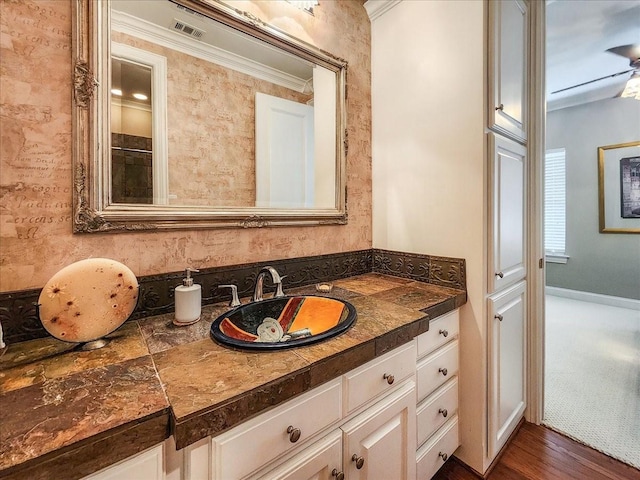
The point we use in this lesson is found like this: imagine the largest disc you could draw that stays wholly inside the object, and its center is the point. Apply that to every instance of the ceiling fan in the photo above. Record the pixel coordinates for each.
(632, 87)
(632, 52)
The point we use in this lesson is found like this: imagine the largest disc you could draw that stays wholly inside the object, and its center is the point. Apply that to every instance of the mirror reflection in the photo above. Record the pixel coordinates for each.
(205, 115)
(131, 133)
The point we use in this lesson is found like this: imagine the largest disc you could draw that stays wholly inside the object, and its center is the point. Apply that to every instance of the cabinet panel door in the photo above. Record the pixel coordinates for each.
(508, 57)
(507, 366)
(508, 209)
(316, 462)
(382, 440)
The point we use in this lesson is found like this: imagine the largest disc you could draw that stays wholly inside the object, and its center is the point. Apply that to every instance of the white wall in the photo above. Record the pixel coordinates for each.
(131, 120)
(604, 263)
(428, 164)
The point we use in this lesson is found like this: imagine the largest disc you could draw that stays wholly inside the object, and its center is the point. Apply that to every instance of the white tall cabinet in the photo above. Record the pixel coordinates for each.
(451, 110)
(509, 26)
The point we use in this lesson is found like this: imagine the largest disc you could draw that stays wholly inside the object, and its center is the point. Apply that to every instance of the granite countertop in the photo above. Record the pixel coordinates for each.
(64, 408)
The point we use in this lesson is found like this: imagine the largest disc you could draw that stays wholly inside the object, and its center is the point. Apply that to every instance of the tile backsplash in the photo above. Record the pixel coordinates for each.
(19, 314)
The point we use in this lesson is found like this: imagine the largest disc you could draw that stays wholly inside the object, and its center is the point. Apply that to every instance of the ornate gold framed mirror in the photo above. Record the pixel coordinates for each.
(192, 114)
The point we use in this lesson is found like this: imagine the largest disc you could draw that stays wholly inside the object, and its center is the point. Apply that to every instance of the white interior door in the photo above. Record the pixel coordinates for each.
(285, 173)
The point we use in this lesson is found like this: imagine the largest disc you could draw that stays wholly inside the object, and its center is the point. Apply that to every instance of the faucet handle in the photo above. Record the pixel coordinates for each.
(235, 302)
(279, 291)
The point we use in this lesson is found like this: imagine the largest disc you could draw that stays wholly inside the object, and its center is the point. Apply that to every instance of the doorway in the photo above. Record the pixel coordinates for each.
(592, 295)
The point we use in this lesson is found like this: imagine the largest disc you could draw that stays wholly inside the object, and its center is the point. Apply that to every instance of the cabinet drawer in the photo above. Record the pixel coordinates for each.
(436, 409)
(147, 464)
(434, 453)
(368, 381)
(436, 369)
(266, 436)
(441, 330)
(315, 461)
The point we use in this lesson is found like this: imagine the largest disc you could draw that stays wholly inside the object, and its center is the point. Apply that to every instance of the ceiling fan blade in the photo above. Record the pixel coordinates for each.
(613, 75)
(632, 52)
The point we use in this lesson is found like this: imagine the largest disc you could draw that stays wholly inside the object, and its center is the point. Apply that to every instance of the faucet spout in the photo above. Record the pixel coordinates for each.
(258, 288)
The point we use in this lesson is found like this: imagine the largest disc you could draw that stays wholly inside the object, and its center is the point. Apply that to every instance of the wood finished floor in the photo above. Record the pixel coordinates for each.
(537, 453)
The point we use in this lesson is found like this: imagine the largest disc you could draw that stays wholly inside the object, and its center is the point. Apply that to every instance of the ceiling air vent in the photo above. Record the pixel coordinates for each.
(187, 29)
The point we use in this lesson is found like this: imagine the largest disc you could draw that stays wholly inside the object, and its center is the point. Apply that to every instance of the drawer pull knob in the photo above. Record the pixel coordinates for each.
(389, 378)
(500, 274)
(444, 333)
(498, 316)
(443, 371)
(337, 474)
(444, 412)
(294, 433)
(500, 107)
(444, 456)
(359, 461)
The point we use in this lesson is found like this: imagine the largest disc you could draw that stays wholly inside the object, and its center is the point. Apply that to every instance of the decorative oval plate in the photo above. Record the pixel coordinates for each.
(88, 299)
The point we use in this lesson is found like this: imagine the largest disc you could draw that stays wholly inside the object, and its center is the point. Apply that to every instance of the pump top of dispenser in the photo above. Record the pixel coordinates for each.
(188, 281)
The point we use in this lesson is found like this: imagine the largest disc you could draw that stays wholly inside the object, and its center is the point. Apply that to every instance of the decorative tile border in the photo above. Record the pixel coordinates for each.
(442, 271)
(19, 314)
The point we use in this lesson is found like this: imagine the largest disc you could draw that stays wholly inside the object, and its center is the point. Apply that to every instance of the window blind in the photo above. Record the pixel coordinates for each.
(554, 201)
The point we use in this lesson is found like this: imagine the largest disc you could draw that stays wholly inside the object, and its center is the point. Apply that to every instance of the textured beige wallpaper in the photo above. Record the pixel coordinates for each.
(35, 169)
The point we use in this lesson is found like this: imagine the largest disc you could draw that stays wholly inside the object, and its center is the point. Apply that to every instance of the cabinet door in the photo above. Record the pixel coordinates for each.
(380, 443)
(508, 67)
(508, 210)
(320, 461)
(507, 354)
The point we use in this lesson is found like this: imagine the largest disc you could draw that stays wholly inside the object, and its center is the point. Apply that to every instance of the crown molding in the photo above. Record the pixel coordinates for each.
(377, 8)
(130, 25)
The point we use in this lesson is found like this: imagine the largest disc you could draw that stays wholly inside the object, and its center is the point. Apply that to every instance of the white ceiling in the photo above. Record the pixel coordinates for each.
(578, 34)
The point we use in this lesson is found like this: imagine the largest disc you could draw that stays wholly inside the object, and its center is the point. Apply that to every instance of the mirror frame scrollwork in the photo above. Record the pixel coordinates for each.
(92, 212)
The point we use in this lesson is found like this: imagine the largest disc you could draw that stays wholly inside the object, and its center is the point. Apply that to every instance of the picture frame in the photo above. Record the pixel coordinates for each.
(619, 188)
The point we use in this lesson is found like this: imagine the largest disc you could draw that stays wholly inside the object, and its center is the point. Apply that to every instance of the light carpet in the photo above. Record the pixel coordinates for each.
(592, 375)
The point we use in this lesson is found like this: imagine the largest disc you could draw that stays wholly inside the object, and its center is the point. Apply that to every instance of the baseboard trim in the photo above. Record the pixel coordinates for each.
(495, 460)
(610, 300)
(503, 449)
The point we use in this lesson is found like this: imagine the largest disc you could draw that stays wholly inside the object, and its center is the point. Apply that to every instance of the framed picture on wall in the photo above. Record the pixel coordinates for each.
(619, 188)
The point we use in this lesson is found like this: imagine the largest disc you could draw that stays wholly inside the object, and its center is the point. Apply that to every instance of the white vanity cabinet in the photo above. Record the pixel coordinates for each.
(375, 444)
(437, 394)
(365, 419)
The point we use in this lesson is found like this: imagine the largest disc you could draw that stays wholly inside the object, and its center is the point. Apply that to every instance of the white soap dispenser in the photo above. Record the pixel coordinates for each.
(188, 301)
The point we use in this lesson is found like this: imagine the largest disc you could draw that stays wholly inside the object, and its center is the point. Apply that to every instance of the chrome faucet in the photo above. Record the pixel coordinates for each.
(258, 286)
